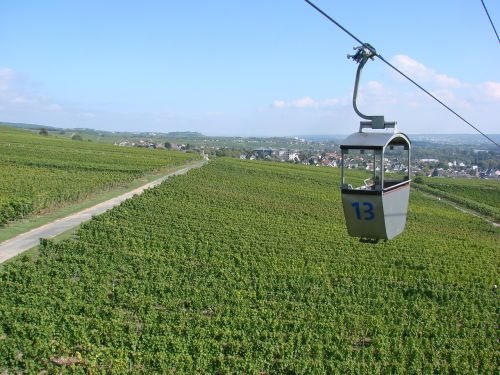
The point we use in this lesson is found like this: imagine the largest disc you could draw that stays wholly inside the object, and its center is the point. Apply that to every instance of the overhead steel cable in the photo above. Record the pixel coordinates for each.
(491, 21)
(368, 46)
(439, 101)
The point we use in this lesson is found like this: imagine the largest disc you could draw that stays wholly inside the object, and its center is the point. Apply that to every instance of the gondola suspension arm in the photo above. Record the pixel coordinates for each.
(363, 54)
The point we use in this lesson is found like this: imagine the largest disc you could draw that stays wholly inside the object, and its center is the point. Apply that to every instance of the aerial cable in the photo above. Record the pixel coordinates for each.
(491, 21)
(436, 99)
(375, 53)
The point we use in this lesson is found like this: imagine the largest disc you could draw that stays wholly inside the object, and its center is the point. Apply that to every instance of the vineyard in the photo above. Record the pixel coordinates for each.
(482, 196)
(246, 267)
(39, 173)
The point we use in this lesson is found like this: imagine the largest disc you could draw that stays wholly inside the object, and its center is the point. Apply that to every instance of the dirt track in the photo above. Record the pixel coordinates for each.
(28, 240)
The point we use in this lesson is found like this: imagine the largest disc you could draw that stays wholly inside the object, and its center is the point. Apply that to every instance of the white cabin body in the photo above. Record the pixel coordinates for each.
(375, 184)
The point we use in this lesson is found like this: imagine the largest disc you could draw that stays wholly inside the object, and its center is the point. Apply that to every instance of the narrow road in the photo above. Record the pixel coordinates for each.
(28, 240)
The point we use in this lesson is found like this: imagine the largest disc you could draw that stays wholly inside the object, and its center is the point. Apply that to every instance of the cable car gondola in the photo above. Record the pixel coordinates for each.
(375, 172)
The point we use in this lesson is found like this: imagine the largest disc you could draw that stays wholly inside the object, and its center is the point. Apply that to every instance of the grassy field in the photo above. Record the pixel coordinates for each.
(246, 267)
(39, 173)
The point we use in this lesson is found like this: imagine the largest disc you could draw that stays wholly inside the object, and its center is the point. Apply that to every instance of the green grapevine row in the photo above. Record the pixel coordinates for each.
(246, 267)
(39, 173)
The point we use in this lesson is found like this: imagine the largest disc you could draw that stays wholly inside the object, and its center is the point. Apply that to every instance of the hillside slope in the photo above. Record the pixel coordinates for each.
(41, 173)
(246, 267)
(479, 195)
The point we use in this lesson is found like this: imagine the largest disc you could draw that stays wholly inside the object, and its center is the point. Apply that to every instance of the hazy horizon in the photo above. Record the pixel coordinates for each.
(310, 136)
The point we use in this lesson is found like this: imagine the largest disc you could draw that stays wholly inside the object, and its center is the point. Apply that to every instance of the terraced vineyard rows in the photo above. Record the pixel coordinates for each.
(482, 191)
(38, 173)
(246, 267)
(482, 196)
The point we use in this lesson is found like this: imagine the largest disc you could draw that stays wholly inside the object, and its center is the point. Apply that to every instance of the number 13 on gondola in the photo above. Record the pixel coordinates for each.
(366, 213)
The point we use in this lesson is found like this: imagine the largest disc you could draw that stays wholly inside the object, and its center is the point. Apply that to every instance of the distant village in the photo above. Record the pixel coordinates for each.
(424, 167)
(435, 168)
(327, 159)
(148, 143)
(420, 167)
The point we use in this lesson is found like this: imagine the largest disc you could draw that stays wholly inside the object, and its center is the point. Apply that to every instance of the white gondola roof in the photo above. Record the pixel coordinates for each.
(373, 139)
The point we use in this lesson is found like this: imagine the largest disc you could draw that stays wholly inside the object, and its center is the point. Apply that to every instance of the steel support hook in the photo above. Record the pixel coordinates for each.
(365, 52)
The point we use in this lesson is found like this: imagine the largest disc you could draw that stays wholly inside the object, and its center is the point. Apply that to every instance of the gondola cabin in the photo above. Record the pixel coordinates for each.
(375, 184)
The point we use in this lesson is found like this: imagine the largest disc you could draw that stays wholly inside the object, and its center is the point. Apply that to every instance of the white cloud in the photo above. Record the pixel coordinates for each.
(450, 90)
(444, 81)
(279, 104)
(444, 95)
(88, 115)
(14, 96)
(490, 91)
(307, 102)
(373, 90)
(214, 114)
(379, 93)
(410, 66)
(16, 99)
(375, 86)
(412, 108)
(6, 74)
(331, 102)
(420, 72)
(376, 96)
(54, 107)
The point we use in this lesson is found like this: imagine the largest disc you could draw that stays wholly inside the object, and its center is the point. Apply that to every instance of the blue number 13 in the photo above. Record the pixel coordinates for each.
(367, 213)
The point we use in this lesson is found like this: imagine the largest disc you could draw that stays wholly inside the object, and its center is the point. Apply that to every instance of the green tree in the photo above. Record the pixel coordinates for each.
(418, 180)
(77, 137)
(168, 145)
(44, 132)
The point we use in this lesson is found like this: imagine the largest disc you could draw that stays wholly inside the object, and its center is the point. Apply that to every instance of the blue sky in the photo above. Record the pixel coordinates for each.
(262, 67)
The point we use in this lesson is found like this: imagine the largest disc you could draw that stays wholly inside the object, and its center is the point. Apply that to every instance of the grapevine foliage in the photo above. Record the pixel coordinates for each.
(482, 196)
(40, 173)
(246, 267)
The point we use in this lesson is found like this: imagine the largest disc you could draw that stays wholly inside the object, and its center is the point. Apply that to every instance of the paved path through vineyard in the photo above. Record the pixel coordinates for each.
(28, 240)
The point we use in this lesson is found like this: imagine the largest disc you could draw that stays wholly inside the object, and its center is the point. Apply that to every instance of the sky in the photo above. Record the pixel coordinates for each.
(247, 68)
